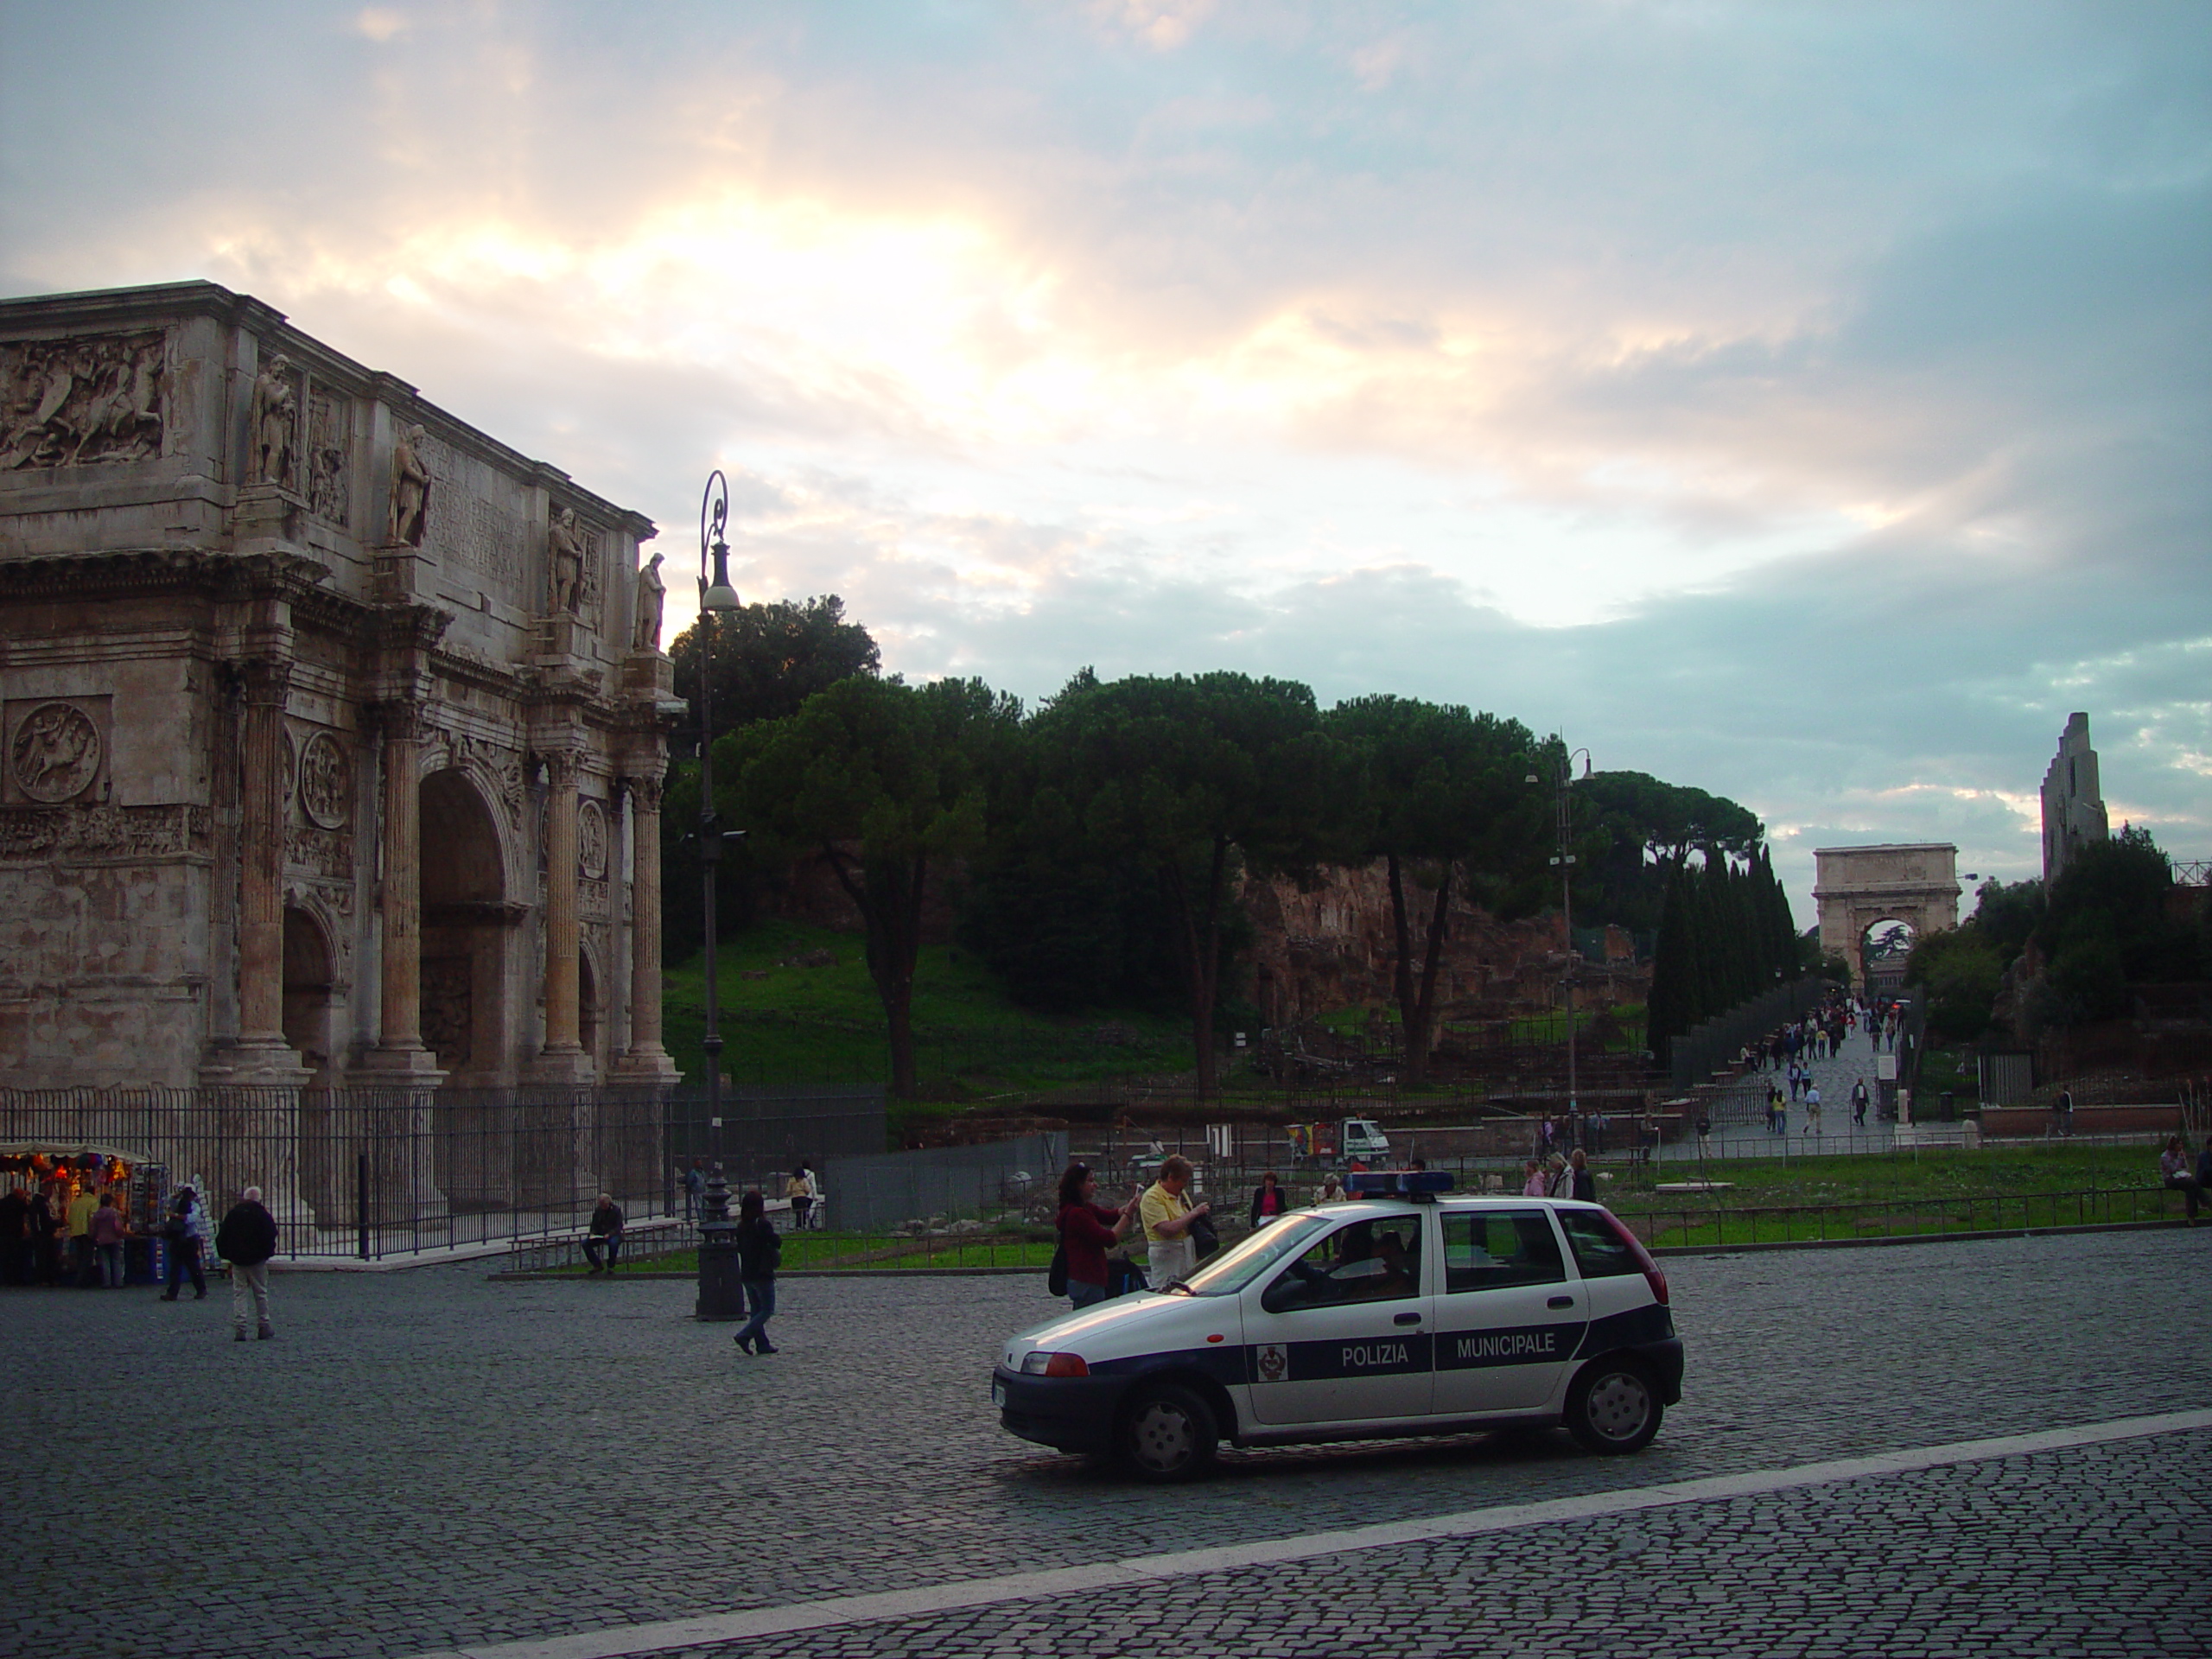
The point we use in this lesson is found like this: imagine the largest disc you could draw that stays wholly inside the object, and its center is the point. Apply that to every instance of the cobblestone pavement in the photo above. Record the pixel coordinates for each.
(426, 1460)
(1990, 1558)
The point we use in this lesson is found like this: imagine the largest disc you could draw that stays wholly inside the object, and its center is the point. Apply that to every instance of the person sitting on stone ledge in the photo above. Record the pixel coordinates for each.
(605, 1229)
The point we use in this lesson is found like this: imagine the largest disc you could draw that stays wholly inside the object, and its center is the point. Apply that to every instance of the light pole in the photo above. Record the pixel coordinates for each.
(722, 1291)
(1563, 861)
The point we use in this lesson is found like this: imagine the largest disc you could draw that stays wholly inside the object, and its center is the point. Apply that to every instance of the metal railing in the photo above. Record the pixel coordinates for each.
(376, 1171)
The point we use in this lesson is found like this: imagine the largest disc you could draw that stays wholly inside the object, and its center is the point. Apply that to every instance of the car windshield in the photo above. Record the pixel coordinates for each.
(1238, 1265)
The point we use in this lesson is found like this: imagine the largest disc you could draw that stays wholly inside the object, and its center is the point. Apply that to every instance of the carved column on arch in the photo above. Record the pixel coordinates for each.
(399, 909)
(646, 1057)
(564, 1051)
(261, 889)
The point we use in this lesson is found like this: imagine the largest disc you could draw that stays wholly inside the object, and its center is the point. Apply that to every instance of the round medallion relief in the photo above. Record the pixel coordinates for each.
(327, 782)
(55, 754)
(591, 840)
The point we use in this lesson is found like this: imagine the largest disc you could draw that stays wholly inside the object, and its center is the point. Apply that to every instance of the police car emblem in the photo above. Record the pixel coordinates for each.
(1274, 1363)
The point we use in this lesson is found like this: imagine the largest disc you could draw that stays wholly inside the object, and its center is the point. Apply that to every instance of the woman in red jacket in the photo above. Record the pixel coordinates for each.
(1089, 1229)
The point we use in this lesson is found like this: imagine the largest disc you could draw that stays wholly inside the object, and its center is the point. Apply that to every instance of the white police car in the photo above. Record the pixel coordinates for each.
(1396, 1311)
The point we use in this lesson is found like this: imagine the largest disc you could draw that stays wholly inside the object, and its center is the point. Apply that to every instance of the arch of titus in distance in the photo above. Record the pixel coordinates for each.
(1913, 882)
(334, 729)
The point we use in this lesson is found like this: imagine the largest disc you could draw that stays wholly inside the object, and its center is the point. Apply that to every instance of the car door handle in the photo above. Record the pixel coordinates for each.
(1560, 1301)
(1407, 1318)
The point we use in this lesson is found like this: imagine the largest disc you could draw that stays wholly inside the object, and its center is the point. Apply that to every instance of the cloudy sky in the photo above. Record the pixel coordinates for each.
(1808, 402)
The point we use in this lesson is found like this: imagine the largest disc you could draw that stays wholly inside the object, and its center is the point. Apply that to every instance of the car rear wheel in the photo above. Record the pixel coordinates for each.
(1169, 1433)
(1613, 1407)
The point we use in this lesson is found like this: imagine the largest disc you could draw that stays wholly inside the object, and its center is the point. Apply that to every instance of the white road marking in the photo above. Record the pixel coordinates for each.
(704, 1629)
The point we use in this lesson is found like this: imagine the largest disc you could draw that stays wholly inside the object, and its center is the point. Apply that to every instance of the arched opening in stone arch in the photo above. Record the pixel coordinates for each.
(590, 1013)
(310, 990)
(1885, 945)
(467, 926)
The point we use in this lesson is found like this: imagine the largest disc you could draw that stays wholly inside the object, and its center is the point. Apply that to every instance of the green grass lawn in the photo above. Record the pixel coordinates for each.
(1898, 1193)
(875, 1250)
(826, 1024)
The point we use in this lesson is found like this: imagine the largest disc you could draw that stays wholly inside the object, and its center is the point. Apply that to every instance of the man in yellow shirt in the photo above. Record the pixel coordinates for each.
(80, 1217)
(1170, 1254)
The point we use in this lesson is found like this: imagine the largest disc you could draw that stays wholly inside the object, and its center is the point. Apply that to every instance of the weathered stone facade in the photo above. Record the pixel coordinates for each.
(332, 743)
(2072, 801)
(1333, 946)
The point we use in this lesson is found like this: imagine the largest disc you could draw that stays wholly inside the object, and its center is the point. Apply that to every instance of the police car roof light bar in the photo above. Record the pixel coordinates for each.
(1398, 1183)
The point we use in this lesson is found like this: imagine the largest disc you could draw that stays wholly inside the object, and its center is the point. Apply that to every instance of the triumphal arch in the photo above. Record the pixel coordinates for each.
(334, 728)
(1858, 888)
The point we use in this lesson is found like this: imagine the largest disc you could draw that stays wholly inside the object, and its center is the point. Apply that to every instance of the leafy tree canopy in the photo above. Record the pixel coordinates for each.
(771, 658)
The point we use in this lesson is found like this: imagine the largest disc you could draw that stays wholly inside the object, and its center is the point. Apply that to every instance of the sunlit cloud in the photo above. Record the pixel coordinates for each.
(1808, 405)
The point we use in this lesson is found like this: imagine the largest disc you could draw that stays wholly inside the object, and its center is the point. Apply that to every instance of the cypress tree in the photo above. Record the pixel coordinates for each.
(1673, 966)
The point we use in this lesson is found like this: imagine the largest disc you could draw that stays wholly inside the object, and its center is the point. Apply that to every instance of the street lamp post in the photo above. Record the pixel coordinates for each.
(1564, 862)
(722, 1290)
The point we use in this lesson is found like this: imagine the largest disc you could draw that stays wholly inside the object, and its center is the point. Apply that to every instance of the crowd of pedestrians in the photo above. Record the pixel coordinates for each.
(52, 1236)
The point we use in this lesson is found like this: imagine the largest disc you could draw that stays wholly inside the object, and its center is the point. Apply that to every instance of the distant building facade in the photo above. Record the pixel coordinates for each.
(334, 729)
(2073, 804)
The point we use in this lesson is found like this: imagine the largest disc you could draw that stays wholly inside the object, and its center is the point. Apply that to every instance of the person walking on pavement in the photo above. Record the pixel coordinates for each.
(760, 1253)
(604, 1231)
(1171, 1254)
(246, 1240)
(187, 1233)
(2062, 1114)
(1858, 1103)
(1534, 1185)
(1581, 1184)
(1812, 1104)
(1703, 1133)
(108, 1230)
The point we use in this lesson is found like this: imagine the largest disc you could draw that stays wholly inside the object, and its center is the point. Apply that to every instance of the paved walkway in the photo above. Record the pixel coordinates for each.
(427, 1463)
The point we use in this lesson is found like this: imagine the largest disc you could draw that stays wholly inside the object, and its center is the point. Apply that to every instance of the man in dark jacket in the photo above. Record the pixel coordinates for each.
(605, 1232)
(246, 1240)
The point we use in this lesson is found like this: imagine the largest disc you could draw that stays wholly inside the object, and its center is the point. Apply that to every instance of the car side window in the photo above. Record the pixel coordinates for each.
(1360, 1261)
(1493, 1249)
(1599, 1251)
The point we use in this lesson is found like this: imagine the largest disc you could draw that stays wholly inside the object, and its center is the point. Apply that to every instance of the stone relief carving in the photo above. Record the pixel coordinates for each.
(288, 782)
(104, 831)
(327, 852)
(327, 782)
(411, 491)
(274, 426)
(66, 403)
(448, 1013)
(591, 840)
(55, 754)
(652, 597)
(591, 901)
(330, 433)
(499, 768)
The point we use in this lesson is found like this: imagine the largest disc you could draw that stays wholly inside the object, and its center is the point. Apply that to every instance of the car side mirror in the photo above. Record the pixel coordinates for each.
(1285, 1293)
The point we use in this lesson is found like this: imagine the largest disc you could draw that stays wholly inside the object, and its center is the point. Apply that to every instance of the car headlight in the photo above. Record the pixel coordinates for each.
(1042, 1364)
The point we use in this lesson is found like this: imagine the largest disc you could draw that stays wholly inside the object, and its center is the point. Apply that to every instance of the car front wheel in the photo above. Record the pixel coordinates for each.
(1613, 1407)
(1169, 1433)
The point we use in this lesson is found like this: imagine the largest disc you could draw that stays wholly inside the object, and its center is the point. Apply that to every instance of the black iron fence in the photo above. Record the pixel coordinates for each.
(381, 1171)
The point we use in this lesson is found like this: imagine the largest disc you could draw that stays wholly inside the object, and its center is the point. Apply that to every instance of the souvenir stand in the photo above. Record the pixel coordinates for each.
(62, 1172)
